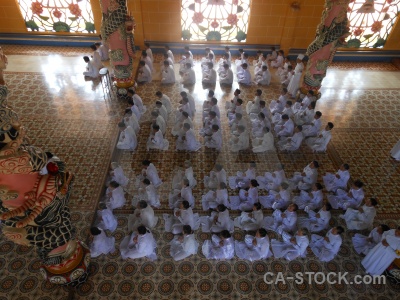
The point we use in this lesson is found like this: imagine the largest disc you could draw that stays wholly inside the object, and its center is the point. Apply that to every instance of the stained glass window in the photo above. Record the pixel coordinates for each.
(215, 20)
(371, 22)
(58, 15)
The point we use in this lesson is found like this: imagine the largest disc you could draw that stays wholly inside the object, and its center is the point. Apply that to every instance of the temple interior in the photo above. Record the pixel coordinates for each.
(74, 118)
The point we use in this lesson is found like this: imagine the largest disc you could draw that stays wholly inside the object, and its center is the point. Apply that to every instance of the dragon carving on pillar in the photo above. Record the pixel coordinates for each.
(331, 34)
(34, 207)
(117, 31)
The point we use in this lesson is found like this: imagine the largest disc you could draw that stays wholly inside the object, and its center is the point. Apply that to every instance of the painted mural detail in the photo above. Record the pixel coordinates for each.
(117, 32)
(215, 20)
(34, 198)
(74, 16)
(331, 34)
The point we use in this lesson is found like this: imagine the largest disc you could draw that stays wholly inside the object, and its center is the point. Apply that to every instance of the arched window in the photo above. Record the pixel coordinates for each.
(371, 22)
(58, 15)
(215, 20)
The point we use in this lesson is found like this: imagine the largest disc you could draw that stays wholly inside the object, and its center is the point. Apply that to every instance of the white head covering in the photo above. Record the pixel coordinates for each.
(300, 56)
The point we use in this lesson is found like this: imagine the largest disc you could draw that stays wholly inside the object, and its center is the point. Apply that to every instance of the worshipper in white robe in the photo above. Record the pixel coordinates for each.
(210, 75)
(215, 140)
(312, 130)
(187, 50)
(162, 110)
(220, 246)
(115, 196)
(169, 53)
(226, 76)
(242, 179)
(156, 140)
(157, 119)
(209, 121)
(244, 76)
(107, 221)
(305, 116)
(168, 73)
(144, 73)
(395, 152)
(236, 122)
(149, 51)
(277, 106)
(188, 142)
(135, 110)
(241, 142)
(150, 172)
(238, 109)
(207, 105)
(277, 117)
(182, 173)
(149, 193)
(96, 58)
(258, 58)
(254, 105)
(213, 106)
(91, 70)
(383, 254)
(131, 120)
(147, 60)
(182, 216)
(363, 244)
(260, 63)
(224, 60)
(287, 77)
(312, 200)
(127, 138)
(185, 245)
(287, 127)
(165, 100)
(254, 247)
(282, 222)
(247, 198)
(183, 106)
(292, 143)
(302, 103)
(143, 215)
(277, 200)
(278, 61)
(140, 244)
(117, 174)
(103, 51)
(183, 194)
(273, 55)
(259, 124)
(306, 179)
(186, 59)
(177, 129)
(166, 58)
(292, 247)
(272, 180)
(283, 70)
(350, 199)
(213, 198)
(217, 175)
(232, 102)
(295, 81)
(189, 77)
(361, 218)
(101, 244)
(316, 222)
(320, 143)
(241, 60)
(249, 221)
(326, 248)
(264, 143)
(339, 180)
(218, 221)
(263, 77)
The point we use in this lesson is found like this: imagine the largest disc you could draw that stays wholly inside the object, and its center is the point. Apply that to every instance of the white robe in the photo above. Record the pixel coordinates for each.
(215, 178)
(108, 220)
(241, 144)
(271, 181)
(277, 106)
(139, 103)
(287, 249)
(323, 250)
(304, 117)
(166, 101)
(380, 257)
(212, 250)
(295, 81)
(344, 201)
(157, 142)
(119, 176)
(264, 78)
(226, 77)
(320, 144)
(250, 221)
(183, 174)
(266, 143)
(279, 224)
(102, 245)
(144, 216)
(286, 129)
(145, 246)
(181, 249)
(210, 77)
(132, 121)
(152, 175)
(312, 200)
(278, 62)
(314, 224)
(307, 181)
(313, 129)
(215, 141)
(332, 183)
(175, 224)
(117, 198)
(356, 220)
(247, 250)
(291, 143)
(189, 77)
(244, 77)
(185, 194)
(223, 222)
(213, 198)
(276, 200)
(127, 139)
(190, 143)
(361, 243)
(152, 196)
(168, 75)
(160, 121)
(144, 74)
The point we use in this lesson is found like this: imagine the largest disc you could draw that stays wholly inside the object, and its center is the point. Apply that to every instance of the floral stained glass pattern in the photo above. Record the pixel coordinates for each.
(215, 20)
(58, 15)
(371, 22)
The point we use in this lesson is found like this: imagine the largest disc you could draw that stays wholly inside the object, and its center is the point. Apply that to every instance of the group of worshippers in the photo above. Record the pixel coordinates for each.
(94, 62)
(380, 247)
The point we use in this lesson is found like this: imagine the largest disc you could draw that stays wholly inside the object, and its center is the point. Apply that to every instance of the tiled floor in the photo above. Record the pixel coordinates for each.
(68, 116)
